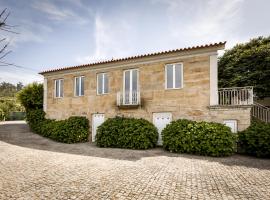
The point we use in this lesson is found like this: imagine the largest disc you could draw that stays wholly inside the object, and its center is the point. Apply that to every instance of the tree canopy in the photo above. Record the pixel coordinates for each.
(31, 96)
(8, 102)
(9, 89)
(247, 64)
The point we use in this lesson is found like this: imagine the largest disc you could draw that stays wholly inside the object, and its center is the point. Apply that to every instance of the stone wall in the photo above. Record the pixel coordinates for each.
(241, 114)
(190, 102)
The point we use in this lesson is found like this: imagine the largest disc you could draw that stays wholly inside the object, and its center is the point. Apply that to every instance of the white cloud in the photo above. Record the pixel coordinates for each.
(58, 13)
(217, 19)
(202, 21)
(51, 10)
(28, 32)
(187, 25)
(112, 40)
(128, 28)
(85, 59)
(15, 75)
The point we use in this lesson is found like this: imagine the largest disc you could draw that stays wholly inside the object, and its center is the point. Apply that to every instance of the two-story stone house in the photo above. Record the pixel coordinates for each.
(159, 87)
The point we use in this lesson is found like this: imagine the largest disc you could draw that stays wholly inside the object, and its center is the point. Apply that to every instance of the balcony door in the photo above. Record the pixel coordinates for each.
(130, 86)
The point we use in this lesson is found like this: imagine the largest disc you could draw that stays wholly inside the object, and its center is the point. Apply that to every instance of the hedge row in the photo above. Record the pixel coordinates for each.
(71, 130)
(203, 138)
(181, 136)
(128, 133)
(255, 140)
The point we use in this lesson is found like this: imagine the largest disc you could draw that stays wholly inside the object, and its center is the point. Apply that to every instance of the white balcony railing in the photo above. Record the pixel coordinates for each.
(128, 98)
(260, 112)
(235, 96)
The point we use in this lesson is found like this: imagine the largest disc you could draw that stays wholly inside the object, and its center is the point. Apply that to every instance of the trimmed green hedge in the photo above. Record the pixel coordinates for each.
(127, 133)
(34, 117)
(203, 138)
(71, 130)
(255, 140)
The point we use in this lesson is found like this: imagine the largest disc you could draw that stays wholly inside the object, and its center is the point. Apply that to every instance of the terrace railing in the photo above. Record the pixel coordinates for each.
(235, 96)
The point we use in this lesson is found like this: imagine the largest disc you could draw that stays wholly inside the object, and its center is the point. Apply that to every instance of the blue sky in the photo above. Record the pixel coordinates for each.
(57, 33)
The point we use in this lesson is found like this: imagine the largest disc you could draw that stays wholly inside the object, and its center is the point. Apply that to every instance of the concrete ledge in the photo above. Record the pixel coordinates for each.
(229, 107)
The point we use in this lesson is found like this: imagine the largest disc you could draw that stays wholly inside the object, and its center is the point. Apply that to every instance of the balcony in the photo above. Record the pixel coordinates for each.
(236, 96)
(128, 99)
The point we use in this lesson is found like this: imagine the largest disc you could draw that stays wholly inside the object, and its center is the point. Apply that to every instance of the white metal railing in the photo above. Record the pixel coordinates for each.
(260, 112)
(235, 96)
(128, 98)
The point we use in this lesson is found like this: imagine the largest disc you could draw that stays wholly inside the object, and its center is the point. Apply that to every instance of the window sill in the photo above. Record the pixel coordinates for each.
(173, 88)
(102, 94)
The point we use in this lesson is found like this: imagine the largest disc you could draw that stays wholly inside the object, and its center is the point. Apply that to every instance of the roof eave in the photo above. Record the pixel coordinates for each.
(218, 46)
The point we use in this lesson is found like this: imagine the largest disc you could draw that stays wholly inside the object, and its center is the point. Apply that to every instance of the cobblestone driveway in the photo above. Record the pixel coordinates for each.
(32, 167)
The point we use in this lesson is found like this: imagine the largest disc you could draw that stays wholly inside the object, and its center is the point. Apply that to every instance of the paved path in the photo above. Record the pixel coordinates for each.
(32, 167)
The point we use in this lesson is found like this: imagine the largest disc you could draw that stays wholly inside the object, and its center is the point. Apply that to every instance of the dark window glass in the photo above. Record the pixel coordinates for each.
(169, 76)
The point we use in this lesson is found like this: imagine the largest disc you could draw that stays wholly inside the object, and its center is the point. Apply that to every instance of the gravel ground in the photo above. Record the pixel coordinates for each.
(33, 167)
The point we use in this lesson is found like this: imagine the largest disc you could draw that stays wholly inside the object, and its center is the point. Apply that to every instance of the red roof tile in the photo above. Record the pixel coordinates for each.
(135, 57)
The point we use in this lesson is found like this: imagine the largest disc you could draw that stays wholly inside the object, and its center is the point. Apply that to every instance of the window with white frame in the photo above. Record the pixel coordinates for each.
(58, 88)
(131, 81)
(102, 83)
(174, 76)
(79, 86)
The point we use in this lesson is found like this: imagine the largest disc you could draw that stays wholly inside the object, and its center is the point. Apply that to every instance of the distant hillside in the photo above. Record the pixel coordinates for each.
(9, 90)
(8, 100)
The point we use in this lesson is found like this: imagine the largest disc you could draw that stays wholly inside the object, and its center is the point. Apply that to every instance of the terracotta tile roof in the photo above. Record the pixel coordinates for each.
(135, 57)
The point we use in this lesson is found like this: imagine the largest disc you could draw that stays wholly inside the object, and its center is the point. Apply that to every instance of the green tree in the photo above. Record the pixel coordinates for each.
(5, 108)
(8, 102)
(31, 96)
(8, 105)
(247, 64)
(7, 89)
(19, 86)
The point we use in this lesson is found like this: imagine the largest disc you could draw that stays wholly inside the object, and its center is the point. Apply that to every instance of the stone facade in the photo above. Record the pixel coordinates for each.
(241, 114)
(190, 102)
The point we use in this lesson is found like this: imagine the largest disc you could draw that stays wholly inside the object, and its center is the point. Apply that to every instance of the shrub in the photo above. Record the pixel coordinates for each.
(128, 133)
(204, 138)
(7, 107)
(34, 118)
(255, 140)
(2, 114)
(31, 96)
(71, 130)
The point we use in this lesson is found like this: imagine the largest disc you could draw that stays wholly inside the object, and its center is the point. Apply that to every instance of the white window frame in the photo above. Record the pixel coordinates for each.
(103, 83)
(182, 76)
(80, 86)
(130, 81)
(61, 80)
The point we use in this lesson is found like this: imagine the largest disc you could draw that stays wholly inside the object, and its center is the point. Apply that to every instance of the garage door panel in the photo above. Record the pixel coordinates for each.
(161, 120)
(97, 120)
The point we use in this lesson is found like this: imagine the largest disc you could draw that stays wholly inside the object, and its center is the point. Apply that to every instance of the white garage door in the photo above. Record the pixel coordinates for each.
(97, 120)
(160, 120)
(232, 124)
